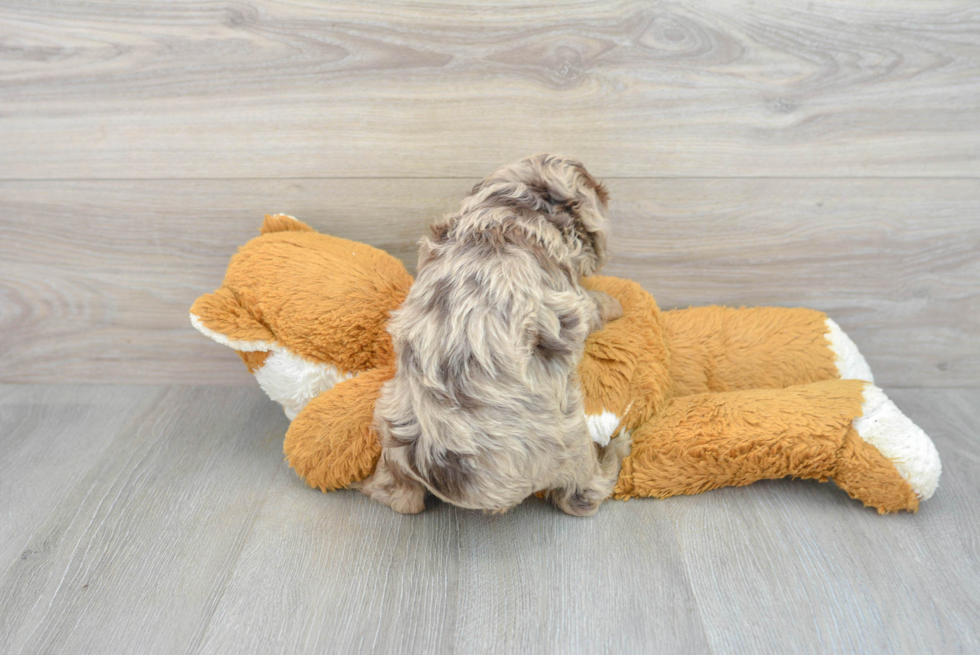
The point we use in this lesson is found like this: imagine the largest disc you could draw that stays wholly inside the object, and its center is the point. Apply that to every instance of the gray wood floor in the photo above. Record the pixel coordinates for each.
(163, 519)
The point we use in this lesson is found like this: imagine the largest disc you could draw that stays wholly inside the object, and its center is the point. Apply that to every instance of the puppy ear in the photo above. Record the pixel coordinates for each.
(440, 235)
(602, 193)
(590, 182)
(440, 229)
(549, 197)
(449, 473)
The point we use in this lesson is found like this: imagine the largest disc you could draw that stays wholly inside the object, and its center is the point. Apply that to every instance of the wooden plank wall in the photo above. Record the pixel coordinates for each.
(825, 155)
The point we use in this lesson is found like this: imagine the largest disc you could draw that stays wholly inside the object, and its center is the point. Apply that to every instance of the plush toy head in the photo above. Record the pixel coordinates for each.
(304, 310)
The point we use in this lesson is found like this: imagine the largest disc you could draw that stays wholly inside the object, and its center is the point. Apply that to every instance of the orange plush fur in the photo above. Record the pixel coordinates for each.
(713, 396)
(341, 323)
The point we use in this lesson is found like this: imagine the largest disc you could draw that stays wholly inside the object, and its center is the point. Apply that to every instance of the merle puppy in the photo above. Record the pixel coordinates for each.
(485, 408)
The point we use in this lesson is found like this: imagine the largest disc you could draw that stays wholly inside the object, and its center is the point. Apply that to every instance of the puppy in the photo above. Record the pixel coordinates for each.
(485, 408)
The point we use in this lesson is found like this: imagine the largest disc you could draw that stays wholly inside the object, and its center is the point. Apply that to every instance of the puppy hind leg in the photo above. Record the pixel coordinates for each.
(583, 499)
(390, 486)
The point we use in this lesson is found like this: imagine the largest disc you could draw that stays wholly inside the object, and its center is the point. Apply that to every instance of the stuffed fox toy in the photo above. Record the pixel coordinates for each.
(711, 396)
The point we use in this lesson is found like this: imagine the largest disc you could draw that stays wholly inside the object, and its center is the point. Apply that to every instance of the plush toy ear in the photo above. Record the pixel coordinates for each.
(283, 223)
(226, 316)
(331, 443)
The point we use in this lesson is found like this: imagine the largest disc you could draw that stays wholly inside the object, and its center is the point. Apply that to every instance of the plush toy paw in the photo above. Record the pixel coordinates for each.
(883, 425)
(851, 364)
(902, 442)
(603, 426)
(886, 461)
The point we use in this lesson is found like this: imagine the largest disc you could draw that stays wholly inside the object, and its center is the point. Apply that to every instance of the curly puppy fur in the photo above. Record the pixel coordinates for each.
(485, 409)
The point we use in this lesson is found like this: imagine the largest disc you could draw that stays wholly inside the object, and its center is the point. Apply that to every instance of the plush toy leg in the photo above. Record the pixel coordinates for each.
(331, 443)
(706, 441)
(727, 349)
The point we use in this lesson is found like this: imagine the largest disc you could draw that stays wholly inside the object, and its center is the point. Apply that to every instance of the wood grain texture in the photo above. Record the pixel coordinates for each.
(263, 88)
(96, 277)
(138, 549)
(184, 532)
(336, 574)
(895, 262)
(823, 154)
(43, 456)
(535, 580)
(450, 580)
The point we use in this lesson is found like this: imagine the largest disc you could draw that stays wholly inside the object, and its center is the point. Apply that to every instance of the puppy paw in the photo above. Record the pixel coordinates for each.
(619, 448)
(395, 490)
(401, 499)
(609, 308)
(577, 501)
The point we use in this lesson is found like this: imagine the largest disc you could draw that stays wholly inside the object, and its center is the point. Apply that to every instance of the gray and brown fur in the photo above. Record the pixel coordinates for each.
(485, 408)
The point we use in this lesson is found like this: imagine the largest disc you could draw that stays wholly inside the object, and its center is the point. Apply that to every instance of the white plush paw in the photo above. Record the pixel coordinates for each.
(884, 426)
(602, 426)
(851, 364)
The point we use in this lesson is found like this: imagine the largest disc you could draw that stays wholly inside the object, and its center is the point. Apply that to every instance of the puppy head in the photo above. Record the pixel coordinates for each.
(560, 189)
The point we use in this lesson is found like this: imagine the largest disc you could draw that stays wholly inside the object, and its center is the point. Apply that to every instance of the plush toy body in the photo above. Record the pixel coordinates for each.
(712, 396)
